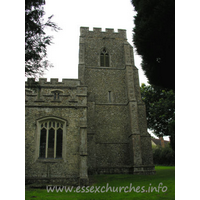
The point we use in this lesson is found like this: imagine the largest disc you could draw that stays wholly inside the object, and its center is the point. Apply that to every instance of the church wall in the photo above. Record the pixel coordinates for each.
(147, 156)
(112, 132)
(101, 81)
(70, 108)
(107, 120)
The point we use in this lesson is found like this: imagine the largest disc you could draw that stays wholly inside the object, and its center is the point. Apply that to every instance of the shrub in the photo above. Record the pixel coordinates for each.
(163, 156)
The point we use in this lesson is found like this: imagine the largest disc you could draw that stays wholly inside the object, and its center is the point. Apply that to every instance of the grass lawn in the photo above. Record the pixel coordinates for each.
(143, 187)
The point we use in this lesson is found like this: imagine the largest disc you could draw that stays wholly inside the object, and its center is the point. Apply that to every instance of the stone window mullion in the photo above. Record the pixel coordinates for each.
(47, 141)
(55, 141)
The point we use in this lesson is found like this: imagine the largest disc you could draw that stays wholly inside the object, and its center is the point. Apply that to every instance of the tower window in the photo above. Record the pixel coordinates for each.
(104, 58)
(109, 97)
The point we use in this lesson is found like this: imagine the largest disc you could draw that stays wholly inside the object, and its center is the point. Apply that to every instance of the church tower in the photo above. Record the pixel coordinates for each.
(117, 137)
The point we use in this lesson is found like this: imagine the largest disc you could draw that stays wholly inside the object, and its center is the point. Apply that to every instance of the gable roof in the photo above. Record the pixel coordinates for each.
(158, 141)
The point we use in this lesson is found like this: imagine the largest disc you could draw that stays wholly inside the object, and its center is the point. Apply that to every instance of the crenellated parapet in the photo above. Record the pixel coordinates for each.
(53, 82)
(97, 32)
(68, 93)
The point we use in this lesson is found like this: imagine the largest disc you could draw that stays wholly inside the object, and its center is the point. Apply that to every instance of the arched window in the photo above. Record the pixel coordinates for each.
(51, 139)
(104, 58)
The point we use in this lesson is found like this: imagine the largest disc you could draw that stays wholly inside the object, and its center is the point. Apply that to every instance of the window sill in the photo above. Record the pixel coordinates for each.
(50, 160)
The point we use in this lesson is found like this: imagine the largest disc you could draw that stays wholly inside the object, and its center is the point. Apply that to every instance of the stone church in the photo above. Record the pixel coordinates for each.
(95, 124)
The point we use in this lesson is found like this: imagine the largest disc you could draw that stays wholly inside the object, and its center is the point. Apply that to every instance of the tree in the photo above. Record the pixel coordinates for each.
(160, 109)
(36, 40)
(154, 39)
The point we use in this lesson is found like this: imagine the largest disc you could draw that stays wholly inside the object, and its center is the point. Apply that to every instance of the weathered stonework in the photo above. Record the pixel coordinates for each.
(102, 116)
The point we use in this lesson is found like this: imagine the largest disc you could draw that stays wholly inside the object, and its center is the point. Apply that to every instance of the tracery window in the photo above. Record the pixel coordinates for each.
(51, 139)
(104, 58)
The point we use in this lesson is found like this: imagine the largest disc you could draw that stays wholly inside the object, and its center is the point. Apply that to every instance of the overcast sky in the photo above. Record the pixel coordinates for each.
(70, 16)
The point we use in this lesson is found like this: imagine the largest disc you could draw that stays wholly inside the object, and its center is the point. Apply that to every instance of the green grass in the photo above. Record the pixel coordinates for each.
(164, 175)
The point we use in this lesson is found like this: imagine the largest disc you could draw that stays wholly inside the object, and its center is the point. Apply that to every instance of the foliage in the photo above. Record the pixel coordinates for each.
(160, 109)
(163, 156)
(36, 40)
(164, 174)
(154, 39)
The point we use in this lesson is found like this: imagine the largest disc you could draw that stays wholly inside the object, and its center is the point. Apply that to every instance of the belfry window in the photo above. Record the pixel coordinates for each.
(51, 139)
(104, 58)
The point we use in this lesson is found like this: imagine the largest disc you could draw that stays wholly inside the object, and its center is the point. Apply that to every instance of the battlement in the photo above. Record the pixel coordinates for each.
(53, 82)
(97, 32)
(53, 93)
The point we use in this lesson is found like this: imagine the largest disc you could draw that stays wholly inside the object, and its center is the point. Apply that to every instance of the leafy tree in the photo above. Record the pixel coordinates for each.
(36, 40)
(154, 39)
(160, 109)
